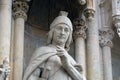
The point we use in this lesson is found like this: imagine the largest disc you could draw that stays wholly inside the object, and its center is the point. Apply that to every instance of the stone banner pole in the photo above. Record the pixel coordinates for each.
(79, 37)
(106, 35)
(20, 8)
(93, 54)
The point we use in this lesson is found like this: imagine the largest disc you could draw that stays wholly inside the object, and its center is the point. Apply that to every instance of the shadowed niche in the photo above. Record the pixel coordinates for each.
(42, 12)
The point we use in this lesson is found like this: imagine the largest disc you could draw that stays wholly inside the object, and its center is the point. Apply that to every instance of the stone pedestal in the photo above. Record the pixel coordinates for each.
(20, 9)
(106, 34)
(93, 54)
(79, 37)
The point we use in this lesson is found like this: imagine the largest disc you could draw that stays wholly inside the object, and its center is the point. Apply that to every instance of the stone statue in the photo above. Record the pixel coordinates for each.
(52, 62)
(4, 70)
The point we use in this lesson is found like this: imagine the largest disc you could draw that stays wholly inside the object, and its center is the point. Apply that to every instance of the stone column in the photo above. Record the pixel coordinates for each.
(12, 49)
(106, 35)
(5, 29)
(79, 37)
(5, 36)
(93, 54)
(19, 8)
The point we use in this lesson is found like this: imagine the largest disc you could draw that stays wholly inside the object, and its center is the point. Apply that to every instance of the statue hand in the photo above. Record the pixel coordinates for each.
(61, 51)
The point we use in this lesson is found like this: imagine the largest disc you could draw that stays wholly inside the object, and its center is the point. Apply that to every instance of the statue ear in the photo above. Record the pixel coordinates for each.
(50, 35)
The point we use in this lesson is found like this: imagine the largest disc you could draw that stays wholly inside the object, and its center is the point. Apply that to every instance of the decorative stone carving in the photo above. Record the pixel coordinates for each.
(4, 70)
(89, 13)
(82, 2)
(116, 22)
(116, 14)
(106, 35)
(53, 61)
(20, 8)
(80, 28)
(115, 7)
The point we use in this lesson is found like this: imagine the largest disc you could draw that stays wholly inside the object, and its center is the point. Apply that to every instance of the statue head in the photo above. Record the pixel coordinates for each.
(62, 19)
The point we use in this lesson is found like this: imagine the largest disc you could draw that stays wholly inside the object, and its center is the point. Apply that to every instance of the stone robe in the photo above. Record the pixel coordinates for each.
(47, 65)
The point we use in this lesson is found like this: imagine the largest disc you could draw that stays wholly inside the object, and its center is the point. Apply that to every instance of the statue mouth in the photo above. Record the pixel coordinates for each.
(61, 37)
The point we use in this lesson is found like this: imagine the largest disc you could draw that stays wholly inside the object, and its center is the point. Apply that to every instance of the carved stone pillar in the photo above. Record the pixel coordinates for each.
(5, 30)
(106, 34)
(19, 8)
(79, 36)
(93, 54)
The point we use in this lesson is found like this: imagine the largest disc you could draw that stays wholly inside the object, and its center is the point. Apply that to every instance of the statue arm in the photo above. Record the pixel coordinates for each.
(71, 69)
(35, 75)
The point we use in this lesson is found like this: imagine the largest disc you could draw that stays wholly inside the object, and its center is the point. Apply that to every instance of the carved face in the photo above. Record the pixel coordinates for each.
(61, 34)
(118, 31)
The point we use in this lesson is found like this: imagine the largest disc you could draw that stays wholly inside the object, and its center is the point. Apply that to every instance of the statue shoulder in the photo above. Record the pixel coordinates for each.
(45, 49)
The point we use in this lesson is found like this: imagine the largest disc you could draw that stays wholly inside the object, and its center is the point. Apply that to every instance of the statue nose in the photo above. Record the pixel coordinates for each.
(62, 31)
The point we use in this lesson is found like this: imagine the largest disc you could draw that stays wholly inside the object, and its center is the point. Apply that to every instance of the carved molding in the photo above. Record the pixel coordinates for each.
(89, 13)
(106, 35)
(80, 28)
(20, 9)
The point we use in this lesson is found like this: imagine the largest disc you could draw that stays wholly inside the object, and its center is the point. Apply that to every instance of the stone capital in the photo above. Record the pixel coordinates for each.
(80, 28)
(89, 13)
(106, 35)
(20, 9)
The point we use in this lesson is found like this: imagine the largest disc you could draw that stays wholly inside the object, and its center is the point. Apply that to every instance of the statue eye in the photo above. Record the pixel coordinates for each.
(66, 29)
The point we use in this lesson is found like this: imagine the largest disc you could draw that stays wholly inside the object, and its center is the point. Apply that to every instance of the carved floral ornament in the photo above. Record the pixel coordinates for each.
(106, 35)
(20, 9)
(80, 28)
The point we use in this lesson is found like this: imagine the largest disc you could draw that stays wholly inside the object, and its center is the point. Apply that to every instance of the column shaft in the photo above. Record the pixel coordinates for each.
(79, 36)
(18, 48)
(106, 35)
(5, 29)
(20, 8)
(80, 53)
(107, 63)
(93, 54)
(12, 49)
